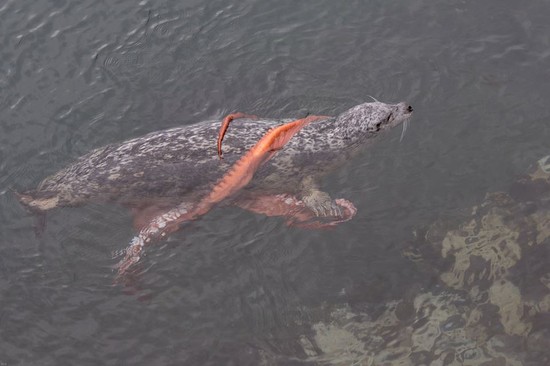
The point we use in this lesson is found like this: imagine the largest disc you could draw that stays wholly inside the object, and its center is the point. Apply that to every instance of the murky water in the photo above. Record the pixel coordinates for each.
(415, 278)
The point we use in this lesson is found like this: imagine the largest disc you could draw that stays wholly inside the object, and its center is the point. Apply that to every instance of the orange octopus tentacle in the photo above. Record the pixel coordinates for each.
(225, 125)
(227, 120)
(236, 178)
(243, 170)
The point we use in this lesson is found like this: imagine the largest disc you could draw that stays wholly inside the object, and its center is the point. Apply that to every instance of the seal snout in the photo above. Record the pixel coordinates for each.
(404, 108)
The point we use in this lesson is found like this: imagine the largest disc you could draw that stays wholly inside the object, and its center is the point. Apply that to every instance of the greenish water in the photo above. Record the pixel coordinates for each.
(237, 288)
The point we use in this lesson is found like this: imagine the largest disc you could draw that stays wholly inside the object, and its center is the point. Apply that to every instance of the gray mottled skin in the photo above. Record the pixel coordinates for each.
(181, 163)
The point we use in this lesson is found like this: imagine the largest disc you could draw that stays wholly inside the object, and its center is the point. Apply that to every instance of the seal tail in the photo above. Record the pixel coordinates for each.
(37, 206)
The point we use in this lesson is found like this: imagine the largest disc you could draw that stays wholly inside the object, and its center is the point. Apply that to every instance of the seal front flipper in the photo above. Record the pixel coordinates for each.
(321, 204)
(294, 210)
(317, 201)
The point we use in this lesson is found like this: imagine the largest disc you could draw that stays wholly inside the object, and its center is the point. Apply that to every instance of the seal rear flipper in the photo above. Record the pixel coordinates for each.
(38, 201)
(39, 225)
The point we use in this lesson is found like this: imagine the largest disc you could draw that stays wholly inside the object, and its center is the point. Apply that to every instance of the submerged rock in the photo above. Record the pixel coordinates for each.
(495, 287)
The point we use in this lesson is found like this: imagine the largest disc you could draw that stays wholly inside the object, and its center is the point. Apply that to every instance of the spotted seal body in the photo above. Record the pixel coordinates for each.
(181, 164)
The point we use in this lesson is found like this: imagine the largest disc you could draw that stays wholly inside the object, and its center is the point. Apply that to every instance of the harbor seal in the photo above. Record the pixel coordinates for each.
(168, 174)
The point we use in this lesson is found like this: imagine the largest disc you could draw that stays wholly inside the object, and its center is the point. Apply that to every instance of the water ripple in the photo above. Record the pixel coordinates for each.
(236, 287)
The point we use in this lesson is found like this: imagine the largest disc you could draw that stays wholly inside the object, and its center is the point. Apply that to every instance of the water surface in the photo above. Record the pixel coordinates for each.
(237, 288)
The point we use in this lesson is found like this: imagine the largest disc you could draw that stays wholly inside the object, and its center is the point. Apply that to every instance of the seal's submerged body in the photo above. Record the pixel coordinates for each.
(178, 173)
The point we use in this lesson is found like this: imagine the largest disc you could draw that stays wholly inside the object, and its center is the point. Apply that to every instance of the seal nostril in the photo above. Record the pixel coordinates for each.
(409, 109)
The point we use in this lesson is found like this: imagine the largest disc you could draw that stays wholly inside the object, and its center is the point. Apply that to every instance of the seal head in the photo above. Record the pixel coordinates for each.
(369, 119)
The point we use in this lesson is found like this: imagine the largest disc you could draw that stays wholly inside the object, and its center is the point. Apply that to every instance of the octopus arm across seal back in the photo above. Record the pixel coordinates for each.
(239, 175)
(225, 125)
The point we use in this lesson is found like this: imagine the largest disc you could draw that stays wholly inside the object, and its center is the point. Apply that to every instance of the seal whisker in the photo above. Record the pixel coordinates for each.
(373, 98)
(405, 127)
